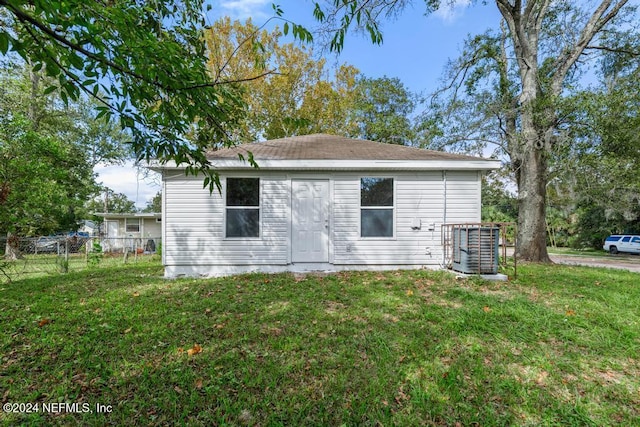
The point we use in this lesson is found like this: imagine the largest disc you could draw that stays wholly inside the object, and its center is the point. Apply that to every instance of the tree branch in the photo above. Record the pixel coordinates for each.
(25, 18)
(596, 22)
(250, 79)
(614, 50)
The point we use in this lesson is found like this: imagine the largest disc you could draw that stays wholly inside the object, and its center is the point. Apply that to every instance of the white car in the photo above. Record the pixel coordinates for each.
(622, 243)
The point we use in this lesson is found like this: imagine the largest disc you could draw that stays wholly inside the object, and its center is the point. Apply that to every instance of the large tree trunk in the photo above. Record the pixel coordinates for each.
(12, 249)
(532, 184)
(529, 149)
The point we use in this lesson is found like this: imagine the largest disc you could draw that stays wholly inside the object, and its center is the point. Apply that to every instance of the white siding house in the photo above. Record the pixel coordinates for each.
(317, 202)
(130, 230)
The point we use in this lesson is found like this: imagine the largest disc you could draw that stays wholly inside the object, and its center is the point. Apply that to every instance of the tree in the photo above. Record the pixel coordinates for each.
(498, 203)
(41, 182)
(298, 94)
(154, 205)
(45, 172)
(607, 182)
(144, 62)
(382, 109)
(293, 94)
(108, 201)
(543, 42)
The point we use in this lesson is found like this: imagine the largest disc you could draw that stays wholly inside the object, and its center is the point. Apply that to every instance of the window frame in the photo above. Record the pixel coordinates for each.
(227, 208)
(392, 208)
(126, 225)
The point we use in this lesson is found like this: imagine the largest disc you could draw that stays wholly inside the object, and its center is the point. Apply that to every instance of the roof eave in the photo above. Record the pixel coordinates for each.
(114, 215)
(346, 165)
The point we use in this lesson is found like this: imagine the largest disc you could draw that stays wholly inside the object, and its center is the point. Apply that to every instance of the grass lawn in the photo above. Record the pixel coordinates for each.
(558, 346)
(590, 252)
(42, 265)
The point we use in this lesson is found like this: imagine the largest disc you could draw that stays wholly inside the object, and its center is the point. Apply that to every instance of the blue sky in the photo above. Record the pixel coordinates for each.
(416, 49)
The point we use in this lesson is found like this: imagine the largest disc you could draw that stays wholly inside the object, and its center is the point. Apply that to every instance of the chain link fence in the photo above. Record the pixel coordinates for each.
(39, 256)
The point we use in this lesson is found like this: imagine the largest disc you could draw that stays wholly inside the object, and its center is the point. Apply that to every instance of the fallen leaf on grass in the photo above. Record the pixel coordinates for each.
(136, 294)
(570, 313)
(541, 379)
(43, 322)
(486, 309)
(194, 350)
(401, 396)
(126, 331)
(198, 383)
(409, 292)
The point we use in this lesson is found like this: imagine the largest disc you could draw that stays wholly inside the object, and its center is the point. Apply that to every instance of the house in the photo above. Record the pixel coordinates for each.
(89, 227)
(317, 202)
(135, 231)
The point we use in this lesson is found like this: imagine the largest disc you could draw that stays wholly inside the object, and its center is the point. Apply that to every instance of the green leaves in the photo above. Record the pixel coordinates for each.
(361, 14)
(318, 13)
(144, 62)
(4, 42)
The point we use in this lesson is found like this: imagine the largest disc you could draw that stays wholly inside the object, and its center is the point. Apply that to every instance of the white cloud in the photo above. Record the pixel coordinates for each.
(450, 10)
(243, 9)
(128, 180)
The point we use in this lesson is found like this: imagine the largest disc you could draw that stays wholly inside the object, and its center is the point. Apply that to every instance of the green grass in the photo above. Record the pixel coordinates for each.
(579, 252)
(557, 346)
(43, 265)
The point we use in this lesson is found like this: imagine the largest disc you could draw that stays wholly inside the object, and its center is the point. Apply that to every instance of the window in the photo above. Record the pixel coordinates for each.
(635, 240)
(243, 207)
(132, 225)
(376, 207)
(625, 239)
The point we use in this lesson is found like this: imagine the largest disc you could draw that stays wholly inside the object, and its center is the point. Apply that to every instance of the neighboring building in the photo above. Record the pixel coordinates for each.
(317, 202)
(89, 227)
(131, 230)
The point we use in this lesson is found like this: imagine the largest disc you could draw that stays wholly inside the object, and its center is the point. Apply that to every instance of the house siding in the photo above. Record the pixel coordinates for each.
(463, 197)
(194, 221)
(417, 196)
(195, 228)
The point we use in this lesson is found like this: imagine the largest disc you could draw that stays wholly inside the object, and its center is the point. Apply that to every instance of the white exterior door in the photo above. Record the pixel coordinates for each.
(310, 221)
(112, 228)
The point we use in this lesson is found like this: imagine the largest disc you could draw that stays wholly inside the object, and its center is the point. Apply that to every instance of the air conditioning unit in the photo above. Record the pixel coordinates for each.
(475, 249)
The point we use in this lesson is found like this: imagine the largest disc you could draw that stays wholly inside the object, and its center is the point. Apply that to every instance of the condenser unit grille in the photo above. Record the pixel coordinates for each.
(475, 249)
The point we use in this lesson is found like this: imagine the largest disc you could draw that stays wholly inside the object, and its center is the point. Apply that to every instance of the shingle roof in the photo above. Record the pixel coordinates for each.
(331, 147)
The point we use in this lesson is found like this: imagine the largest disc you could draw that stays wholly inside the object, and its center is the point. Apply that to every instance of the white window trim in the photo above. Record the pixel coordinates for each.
(126, 225)
(259, 207)
(392, 208)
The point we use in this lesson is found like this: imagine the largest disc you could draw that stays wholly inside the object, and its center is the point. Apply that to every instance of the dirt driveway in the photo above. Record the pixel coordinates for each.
(620, 261)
